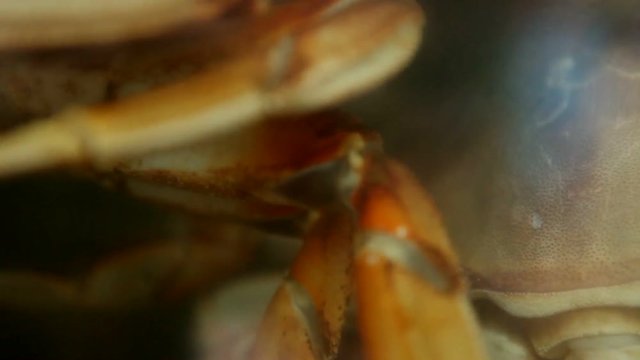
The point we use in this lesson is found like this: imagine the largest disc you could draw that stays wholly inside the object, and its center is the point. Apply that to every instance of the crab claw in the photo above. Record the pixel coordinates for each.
(410, 293)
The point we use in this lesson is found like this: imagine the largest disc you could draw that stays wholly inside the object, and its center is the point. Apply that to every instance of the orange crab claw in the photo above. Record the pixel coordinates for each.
(410, 294)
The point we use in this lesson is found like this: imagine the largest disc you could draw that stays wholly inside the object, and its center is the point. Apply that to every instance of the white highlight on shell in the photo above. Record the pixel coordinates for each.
(536, 221)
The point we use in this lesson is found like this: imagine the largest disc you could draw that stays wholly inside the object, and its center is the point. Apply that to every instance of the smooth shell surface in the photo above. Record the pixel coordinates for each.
(544, 207)
(176, 90)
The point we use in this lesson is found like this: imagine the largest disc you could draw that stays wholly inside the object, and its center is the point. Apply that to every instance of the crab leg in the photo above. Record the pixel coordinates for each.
(306, 316)
(162, 271)
(411, 298)
(297, 57)
(410, 293)
(266, 174)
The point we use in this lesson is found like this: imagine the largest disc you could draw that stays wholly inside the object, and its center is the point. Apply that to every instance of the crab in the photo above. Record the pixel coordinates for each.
(222, 108)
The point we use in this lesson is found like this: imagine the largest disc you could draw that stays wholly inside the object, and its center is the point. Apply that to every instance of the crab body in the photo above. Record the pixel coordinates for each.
(547, 229)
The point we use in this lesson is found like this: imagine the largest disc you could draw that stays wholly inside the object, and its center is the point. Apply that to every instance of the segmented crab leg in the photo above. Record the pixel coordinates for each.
(306, 316)
(158, 272)
(410, 294)
(298, 57)
(266, 173)
(32, 25)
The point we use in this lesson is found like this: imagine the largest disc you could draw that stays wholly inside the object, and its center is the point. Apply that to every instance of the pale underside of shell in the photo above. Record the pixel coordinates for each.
(117, 99)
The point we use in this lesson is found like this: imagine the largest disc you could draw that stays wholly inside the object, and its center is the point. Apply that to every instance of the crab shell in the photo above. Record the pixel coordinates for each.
(548, 228)
(123, 88)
